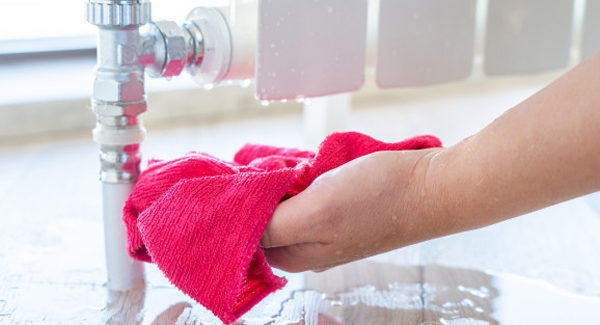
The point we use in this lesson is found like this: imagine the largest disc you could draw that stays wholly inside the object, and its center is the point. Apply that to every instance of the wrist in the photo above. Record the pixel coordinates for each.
(456, 185)
(444, 191)
(433, 197)
(420, 202)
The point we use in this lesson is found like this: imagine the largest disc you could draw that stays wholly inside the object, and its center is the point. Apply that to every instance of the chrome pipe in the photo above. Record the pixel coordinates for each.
(118, 101)
(130, 45)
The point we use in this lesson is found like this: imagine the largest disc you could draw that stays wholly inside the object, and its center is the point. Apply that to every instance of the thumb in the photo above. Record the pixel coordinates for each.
(290, 224)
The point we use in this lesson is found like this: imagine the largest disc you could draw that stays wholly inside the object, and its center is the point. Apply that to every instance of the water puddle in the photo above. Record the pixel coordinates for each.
(372, 293)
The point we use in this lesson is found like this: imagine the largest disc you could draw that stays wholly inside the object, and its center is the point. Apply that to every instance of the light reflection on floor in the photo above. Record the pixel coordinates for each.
(445, 296)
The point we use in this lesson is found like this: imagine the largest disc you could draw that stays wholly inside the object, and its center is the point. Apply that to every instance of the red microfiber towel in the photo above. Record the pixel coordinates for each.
(200, 219)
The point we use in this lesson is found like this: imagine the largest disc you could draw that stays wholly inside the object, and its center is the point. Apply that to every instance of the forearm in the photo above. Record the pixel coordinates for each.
(543, 151)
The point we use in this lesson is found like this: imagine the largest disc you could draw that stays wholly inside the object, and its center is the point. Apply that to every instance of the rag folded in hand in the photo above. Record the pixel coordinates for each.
(200, 219)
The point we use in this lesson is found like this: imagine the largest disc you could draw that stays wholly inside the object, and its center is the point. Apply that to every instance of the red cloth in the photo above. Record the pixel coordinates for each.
(200, 219)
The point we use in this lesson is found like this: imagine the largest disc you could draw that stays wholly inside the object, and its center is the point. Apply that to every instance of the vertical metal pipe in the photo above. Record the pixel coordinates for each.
(118, 100)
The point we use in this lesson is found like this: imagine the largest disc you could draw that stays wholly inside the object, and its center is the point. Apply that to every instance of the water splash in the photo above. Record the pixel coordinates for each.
(304, 305)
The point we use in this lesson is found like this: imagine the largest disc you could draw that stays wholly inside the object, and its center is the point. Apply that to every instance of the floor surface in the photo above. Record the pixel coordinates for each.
(52, 258)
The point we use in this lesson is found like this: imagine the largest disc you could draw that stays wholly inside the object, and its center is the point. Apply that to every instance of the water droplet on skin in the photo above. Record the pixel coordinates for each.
(272, 45)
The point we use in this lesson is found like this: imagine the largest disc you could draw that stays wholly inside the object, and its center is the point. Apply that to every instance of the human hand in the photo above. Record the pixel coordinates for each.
(368, 206)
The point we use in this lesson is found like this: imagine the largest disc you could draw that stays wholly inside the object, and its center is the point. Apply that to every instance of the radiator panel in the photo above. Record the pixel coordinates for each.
(310, 48)
(527, 36)
(591, 29)
(424, 42)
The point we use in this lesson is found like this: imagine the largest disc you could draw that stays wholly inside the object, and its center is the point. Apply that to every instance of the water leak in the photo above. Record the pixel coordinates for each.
(387, 294)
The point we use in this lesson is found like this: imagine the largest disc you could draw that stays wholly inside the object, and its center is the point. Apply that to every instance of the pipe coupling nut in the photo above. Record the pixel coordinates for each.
(166, 48)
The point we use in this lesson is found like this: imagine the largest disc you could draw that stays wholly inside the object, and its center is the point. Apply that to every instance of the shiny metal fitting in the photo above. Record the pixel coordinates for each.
(196, 44)
(118, 101)
(166, 49)
(213, 45)
(118, 114)
(129, 45)
(118, 90)
(115, 109)
(115, 13)
(119, 164)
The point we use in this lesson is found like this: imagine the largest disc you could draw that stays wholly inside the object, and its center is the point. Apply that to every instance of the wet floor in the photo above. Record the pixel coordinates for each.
(375, 293)
(52, 252)
(387, 294)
